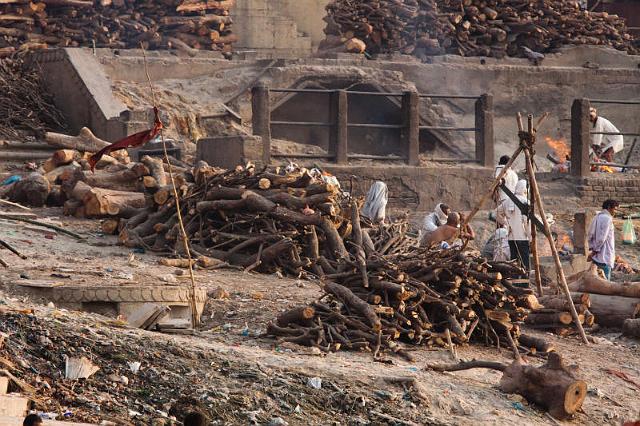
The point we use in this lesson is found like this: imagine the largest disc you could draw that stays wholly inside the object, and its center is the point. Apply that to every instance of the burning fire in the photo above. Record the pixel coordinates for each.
(606, 169)
(564, 243)
(560, 148)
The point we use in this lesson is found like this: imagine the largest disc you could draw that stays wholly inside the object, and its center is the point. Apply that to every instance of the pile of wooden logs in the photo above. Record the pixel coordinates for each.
(428, 297)
(180, 24)
(612, 303)
(469, 27)
(25, 105)
(554, 314)
(115, 190)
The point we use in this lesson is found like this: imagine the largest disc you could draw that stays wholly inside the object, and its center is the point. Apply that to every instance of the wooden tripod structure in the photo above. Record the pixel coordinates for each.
(527, 146)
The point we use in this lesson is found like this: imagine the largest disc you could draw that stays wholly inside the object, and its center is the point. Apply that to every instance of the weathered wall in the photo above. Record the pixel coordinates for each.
(419, 188)
(594, 189)
(277, 28)
(82, 91)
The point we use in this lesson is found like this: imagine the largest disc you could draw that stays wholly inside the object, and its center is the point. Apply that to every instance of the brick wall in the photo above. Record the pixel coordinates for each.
(597, 189)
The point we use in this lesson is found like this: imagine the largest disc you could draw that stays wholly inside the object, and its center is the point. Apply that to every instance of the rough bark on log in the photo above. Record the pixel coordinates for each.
(611, 311)
(631, 327)
(552, 386)
(32, 190)
(104, 202)
(590, 283)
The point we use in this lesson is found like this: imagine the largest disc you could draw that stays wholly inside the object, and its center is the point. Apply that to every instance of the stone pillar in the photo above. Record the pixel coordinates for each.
(484, 131)
(261, 119)
(411, 131)
(580, 138)
(581, 223)
(339, 128)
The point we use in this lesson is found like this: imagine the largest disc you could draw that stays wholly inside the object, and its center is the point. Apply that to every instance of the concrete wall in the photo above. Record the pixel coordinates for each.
(82, 91)
(420, 188)
(270, 27)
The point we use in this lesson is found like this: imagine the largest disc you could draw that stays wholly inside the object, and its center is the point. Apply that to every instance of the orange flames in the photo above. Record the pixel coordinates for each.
(559, 147)
(563, 242)
(606, 169)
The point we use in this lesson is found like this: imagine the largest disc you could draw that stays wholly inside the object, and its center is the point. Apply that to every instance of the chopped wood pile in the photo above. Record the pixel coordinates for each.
(554, 314)
(469, 27)
(179, 24)
(25, 105)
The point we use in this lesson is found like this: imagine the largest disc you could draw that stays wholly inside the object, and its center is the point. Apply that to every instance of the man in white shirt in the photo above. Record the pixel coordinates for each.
(602, 243)
(517, 224)
(605, 146)
(433, 220)
(510, 178)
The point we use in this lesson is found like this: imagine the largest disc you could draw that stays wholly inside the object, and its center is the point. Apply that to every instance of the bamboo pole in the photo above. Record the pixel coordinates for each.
(195, 319)
(547, 232)
(532, 212)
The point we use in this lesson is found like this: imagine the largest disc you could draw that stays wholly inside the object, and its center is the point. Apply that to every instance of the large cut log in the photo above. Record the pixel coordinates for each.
(611, 311)
(631, 327)
(103, 202)
(551, 318)
(553, 386)
(590, 283)
(86, 141)
(32, 190)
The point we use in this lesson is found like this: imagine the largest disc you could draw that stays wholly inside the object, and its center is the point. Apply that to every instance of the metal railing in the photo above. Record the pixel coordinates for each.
(339, 124)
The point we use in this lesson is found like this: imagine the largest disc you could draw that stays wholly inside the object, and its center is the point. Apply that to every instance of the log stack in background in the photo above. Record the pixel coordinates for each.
(180, 24)
(495, 28)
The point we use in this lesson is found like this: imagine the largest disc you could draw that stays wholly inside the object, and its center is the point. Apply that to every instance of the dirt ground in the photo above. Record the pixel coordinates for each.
(241, 377)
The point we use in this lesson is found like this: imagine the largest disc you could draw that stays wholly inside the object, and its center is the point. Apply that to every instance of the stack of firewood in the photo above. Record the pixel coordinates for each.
(25, 105)
(554, 314)
(383, 287)
(422, 297)
(469, 27)
(180, 24)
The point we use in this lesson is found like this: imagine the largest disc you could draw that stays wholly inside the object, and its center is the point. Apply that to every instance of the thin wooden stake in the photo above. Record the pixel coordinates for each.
(547, 231)
(195, 319)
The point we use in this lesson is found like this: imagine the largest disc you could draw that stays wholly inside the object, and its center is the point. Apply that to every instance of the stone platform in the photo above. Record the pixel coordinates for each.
(114, 301)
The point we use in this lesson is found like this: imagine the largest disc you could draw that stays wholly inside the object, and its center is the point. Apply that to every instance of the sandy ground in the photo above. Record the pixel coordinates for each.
(233, 329)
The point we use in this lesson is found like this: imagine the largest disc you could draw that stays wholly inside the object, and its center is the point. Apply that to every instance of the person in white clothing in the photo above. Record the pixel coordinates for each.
(602, 243)
(497, 246)
(605, 146)
(517, 225)
(510, 178)
(375, 205)
(434, 220)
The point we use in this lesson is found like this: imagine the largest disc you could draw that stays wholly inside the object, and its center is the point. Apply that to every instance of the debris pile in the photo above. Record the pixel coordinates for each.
(179, 24)
(25, 105)
(110, 374)
(469, 28)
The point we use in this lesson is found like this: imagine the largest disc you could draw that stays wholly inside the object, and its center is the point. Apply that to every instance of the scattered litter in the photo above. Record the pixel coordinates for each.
(277, 421)
(134, 366)
(168, 278)
(79, 368)
(314, 382)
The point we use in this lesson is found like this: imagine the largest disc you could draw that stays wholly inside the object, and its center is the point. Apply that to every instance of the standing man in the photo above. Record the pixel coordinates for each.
(510, 178)
(517, 225)
(602, 243)
(605, 146)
